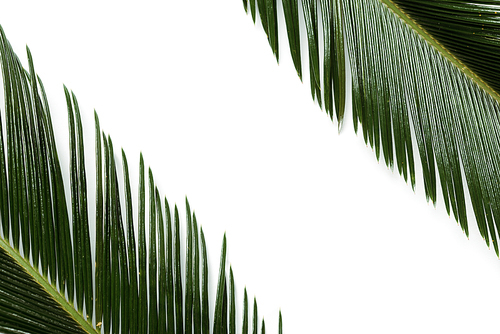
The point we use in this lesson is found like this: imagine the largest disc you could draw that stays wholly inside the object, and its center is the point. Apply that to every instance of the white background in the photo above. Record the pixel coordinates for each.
(315, 225)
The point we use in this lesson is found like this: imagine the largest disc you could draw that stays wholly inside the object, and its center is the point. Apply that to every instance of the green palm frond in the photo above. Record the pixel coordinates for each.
(47, 280)
(421, 68)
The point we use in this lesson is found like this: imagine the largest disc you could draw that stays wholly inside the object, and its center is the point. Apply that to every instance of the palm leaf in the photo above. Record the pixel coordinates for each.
(328, 199)
(43, 288)
(414, 72)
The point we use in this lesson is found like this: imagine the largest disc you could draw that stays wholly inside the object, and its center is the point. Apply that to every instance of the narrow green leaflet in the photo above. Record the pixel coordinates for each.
(132, 254)
(219, 300)
(121, 298)
(188, 310)
(338, 61)
(224, 318)
(272, 22)
(179, 323)
(99, 225)
(261, 4)
(291, 11)
(116, 278)
(106, 295)
(143, 301)
(205, 317)
(280, 324)
(170, 272)
(253, 9)
(232, 302)
(83, 214)
(255, 319)
(42, 164)
(75, 206)
(196, 279)
(309, 8)
(327, 57)
(162, 268)
(244, 329)
(152, 264)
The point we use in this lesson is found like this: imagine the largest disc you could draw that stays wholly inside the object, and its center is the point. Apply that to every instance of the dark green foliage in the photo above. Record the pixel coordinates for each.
(426, 65)
(34, 213)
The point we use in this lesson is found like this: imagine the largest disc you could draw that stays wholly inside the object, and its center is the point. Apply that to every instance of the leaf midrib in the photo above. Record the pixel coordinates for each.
(440, 48)
(49, 288)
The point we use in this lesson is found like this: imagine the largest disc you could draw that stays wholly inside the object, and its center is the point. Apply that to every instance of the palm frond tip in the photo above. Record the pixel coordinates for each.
(427, 67)
(46, 278)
